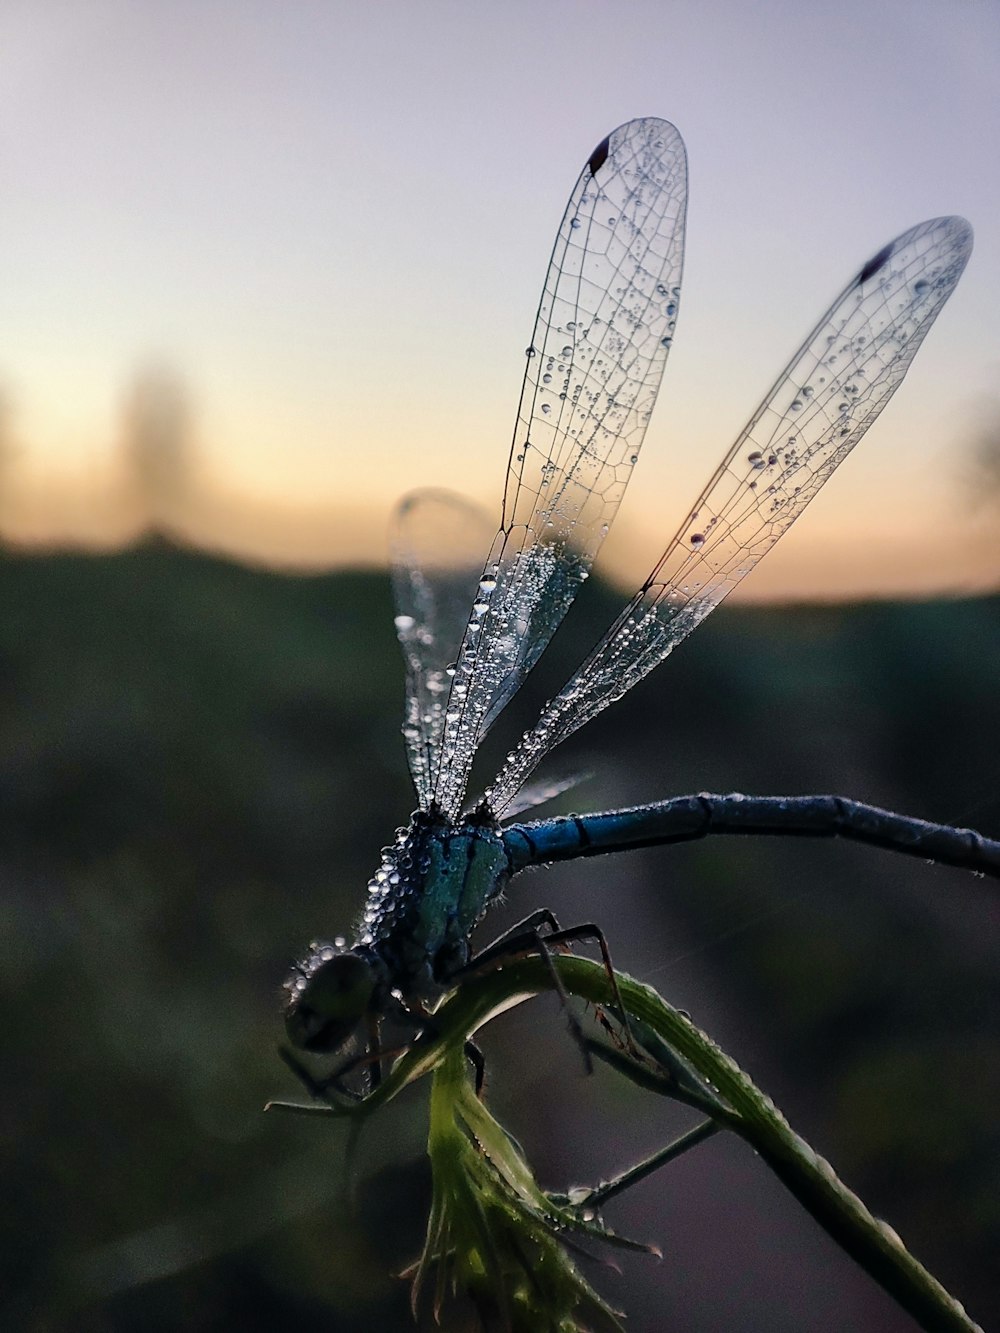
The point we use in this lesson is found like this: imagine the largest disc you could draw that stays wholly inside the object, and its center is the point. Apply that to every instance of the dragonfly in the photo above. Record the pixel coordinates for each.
(471, 627)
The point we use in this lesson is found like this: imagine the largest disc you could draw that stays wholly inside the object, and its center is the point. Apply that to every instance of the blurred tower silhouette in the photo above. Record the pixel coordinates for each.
(986, 460)
(8, 453)
(157, 447)
(980, 477)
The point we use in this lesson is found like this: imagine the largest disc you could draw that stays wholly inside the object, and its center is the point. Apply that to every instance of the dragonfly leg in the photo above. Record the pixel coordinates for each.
(591, 931)
(527, 941)
(501, 946)
(318, 1089)
(526, 937)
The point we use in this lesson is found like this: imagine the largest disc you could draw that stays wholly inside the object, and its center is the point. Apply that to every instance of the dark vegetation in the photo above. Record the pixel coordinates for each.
(199, 764)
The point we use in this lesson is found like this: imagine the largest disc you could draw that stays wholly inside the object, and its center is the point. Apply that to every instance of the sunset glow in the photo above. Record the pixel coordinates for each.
(325, 235)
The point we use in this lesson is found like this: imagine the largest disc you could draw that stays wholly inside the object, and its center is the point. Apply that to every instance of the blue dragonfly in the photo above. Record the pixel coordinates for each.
(471, 630)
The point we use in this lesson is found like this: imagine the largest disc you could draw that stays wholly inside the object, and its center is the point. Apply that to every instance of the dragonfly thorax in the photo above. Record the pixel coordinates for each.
(431, 889)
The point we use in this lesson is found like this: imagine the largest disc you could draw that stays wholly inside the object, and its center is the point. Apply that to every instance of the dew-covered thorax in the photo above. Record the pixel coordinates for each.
(432, 887)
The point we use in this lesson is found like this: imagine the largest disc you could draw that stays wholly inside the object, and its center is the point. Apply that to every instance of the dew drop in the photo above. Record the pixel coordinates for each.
(546, 408)
(697, 538)
(921, 286)
(529, 352)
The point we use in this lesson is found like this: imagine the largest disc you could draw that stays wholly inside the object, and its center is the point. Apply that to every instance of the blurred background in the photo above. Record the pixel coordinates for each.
(262, 269)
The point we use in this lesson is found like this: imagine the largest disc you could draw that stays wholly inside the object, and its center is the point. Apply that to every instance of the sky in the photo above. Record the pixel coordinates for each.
(325, 225)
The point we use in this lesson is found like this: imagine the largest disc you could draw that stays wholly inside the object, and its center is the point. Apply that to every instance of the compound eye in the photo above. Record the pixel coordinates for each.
(328, 998)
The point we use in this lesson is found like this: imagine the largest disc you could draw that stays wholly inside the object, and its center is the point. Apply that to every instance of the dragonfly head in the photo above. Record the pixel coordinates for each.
(329, 993)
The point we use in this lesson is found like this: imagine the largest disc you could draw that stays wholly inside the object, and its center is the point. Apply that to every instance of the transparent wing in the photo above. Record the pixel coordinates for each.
(832, 390)
(604, 326)
(437, 542)
(534, 794)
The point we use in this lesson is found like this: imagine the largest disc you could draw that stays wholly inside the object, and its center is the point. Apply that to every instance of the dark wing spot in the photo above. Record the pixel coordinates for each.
(878, 261)
(599, 156)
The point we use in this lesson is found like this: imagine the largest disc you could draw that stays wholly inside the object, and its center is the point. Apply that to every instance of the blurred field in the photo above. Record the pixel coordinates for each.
(199, 764)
